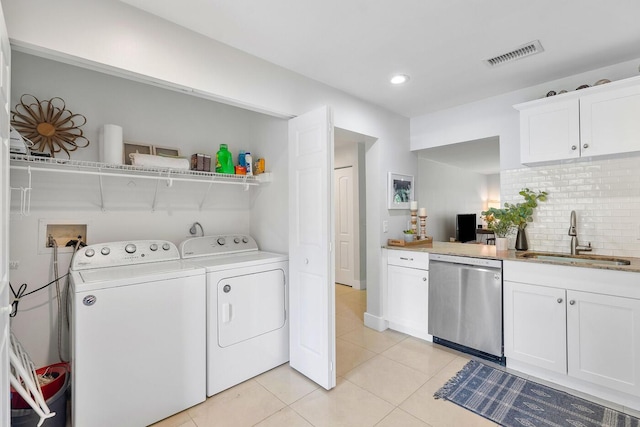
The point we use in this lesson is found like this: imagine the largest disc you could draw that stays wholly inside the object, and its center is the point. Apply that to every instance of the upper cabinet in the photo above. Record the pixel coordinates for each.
(591, 122)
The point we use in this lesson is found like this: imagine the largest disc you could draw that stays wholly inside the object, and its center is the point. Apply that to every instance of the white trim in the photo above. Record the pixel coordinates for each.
(374, 322)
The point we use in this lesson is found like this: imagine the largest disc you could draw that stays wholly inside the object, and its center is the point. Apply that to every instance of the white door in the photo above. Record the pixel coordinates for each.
(311, 258)
(345, 270)
(609, 122)
(603, 341)
(408, 300)
(535, 325)
(5, 59)
(550, 132)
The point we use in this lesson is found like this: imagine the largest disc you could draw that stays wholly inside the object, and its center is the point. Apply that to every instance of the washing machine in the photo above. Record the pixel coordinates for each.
(247, 303)
(137, 333)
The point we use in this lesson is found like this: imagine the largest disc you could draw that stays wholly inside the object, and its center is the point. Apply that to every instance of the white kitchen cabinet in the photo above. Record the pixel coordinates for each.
(580, 323)
(535, 325)
(609, 121)
(596, 121)
(408, 292)
(603, 343)
(550, 131)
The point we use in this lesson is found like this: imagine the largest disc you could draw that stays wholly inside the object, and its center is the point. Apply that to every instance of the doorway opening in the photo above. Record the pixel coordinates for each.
(350, 203)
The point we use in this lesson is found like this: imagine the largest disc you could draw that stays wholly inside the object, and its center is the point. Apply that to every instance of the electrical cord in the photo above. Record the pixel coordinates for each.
(22, 293)
(61, 295)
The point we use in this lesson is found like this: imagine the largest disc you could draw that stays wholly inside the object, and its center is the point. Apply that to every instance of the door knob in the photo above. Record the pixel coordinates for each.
(585, 146)
(572, 302)
(424, 279)
(559, 300)
(574, 148)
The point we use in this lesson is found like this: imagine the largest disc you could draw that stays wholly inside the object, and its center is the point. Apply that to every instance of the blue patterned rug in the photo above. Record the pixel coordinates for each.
(512, 401)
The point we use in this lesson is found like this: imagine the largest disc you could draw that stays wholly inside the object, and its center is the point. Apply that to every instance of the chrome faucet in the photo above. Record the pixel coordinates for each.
(575, 248)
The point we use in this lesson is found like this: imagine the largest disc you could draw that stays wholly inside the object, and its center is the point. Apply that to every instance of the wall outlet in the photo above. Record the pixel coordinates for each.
(14, 265)
(385, 226)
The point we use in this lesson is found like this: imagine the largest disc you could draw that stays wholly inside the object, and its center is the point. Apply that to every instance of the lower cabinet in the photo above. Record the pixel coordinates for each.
(408, 292)
(535, 328)
(603, 340)
(590, 336)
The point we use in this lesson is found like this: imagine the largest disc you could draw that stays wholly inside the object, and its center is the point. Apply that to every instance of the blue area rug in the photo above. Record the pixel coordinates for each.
(512, 401)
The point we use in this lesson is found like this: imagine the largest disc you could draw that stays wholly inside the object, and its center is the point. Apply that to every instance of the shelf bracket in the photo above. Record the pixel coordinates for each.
(246, 184)
(101, 190)
(155, 197)
(25, 195)
(204, 196)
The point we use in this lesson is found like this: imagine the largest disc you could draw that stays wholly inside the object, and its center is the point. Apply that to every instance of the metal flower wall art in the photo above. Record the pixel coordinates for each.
(49, 125)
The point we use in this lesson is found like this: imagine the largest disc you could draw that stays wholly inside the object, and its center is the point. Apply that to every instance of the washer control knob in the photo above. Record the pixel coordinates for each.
(130, 248)
(166, 246)
(221, 241)
(245, 240)
(105, 251)
(89, 253)
(236, 240)
(153, 247)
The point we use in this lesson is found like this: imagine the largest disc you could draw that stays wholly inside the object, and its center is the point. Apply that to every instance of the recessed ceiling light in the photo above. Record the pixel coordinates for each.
(398, 79)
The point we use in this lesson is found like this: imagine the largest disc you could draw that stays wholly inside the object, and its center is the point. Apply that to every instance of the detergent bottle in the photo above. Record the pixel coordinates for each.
(224, 162)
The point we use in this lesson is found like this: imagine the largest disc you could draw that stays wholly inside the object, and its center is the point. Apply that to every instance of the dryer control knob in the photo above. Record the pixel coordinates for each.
(166, 246)
(153, 247)
(130, 248)
(105, 251)
(236, 240)
(221, 241)
(89, 253)
(245, 240)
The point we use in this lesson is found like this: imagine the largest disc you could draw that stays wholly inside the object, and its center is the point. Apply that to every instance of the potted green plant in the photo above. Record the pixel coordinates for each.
(522, 214)
(409, 235)
(500, 221)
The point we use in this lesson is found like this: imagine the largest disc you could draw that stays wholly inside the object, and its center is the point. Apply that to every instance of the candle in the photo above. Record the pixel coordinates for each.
(414, 205)
(422, 212)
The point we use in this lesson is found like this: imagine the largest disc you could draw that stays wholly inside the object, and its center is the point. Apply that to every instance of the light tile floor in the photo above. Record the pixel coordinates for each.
(385, 379)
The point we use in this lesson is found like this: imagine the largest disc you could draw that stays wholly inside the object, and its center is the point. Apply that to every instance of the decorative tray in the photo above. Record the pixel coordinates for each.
(428, 242)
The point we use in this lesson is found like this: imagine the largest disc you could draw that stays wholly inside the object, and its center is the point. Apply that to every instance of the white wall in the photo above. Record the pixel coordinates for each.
(109, 35)
(445, 191)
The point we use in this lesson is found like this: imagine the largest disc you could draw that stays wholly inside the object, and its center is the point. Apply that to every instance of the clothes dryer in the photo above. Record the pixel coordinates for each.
(137, 334)
(247, 303)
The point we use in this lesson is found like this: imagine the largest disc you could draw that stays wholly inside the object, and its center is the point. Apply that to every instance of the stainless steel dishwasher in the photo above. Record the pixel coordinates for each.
(465, 304)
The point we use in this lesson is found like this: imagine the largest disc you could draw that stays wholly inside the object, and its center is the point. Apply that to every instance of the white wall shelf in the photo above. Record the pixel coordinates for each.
(34, 164)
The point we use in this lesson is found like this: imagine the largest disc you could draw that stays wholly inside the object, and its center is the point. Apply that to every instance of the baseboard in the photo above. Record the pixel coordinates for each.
(375, 322)
(360, 285)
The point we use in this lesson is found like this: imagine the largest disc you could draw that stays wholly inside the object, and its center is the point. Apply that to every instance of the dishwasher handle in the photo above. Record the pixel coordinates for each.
(476, 262)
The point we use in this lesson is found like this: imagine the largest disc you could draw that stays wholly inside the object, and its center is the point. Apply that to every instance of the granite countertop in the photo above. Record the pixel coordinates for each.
(489, 251)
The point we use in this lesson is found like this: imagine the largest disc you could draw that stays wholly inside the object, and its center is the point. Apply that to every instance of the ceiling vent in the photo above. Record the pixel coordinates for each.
(520, 52)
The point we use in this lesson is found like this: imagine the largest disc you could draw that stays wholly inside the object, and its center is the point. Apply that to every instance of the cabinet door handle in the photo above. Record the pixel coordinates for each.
(585, 146)
(424, 279)
(574, 148)
(572, 302)
(559, 300)
(406, 259)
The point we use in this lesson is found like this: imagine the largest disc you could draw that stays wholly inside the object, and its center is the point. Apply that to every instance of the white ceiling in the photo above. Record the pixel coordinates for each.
(356, 45)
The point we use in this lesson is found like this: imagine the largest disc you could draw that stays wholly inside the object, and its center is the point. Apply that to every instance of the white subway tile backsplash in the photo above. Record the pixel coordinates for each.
(604, 193)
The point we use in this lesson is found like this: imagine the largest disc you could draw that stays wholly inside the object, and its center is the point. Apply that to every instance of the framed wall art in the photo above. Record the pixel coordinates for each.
(166, 151)
(134, 147)
(400, 191)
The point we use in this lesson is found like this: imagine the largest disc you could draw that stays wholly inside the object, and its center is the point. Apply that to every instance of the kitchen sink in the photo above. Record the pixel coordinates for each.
(574, 259)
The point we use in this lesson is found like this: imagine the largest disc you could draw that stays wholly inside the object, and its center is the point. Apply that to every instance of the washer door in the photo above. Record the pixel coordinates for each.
(250, 305)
